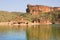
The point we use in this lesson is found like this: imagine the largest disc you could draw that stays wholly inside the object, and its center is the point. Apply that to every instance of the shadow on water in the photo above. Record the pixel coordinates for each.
(30, 32)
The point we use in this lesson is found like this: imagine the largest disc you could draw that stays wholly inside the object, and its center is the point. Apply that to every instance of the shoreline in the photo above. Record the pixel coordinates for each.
(11, 23)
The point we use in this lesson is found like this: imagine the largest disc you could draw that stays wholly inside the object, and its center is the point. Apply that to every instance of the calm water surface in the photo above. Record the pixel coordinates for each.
(31, 32)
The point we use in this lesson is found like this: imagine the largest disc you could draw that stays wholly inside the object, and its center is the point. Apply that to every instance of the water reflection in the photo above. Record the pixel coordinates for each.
(12, 33)
(30, 32)
(43, 32)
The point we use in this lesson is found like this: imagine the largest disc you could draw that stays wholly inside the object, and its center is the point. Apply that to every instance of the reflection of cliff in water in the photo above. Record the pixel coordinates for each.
(43, 32)
(33, 32)
(56, 32)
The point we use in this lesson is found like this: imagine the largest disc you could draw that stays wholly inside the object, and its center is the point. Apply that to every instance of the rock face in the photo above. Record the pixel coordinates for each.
(36, 9)
(56, 8)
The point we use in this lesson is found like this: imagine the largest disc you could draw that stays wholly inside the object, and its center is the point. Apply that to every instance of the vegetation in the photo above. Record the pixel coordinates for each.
(8, 16)
(11, 16)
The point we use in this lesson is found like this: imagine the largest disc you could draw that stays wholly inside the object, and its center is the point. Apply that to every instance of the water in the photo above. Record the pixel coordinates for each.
(30, 32)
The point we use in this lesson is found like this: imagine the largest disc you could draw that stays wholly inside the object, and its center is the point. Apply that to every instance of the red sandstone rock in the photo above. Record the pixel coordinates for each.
(36, 9)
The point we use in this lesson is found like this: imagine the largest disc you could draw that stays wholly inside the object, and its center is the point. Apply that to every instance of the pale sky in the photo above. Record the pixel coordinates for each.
(20, 5)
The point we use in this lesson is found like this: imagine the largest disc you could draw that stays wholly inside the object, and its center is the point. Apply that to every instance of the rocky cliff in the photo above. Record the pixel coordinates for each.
(35, 9)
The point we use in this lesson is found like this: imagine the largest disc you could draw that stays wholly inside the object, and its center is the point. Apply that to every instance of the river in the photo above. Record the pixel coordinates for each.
(30, 32)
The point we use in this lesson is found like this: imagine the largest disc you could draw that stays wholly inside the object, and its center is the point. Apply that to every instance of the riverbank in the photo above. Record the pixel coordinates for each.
(11, 23)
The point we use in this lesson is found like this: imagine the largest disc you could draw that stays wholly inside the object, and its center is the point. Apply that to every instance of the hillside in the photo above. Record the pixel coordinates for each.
(8, 16)
(16, 16)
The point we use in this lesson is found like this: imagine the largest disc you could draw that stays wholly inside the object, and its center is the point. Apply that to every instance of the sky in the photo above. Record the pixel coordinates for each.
(21, 5)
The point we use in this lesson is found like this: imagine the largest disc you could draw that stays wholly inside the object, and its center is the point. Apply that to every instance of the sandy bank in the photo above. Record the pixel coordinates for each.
(11, 23)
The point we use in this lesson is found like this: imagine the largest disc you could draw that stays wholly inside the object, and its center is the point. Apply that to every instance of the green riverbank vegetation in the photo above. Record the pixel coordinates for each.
(5, 16)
